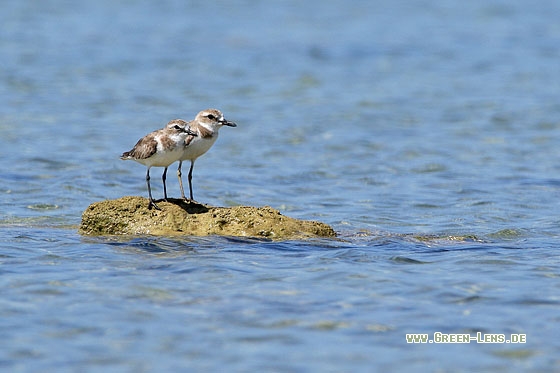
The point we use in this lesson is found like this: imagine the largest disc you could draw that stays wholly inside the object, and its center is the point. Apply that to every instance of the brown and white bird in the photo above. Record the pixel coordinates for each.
(206, 126)
(160, 149)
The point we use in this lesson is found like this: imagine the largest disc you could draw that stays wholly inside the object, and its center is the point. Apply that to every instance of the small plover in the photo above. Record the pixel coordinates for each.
(159, 149)
(206, 126)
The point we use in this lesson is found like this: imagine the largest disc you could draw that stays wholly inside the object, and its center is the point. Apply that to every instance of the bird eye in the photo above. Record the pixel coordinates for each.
(177, 127)
(211, 116)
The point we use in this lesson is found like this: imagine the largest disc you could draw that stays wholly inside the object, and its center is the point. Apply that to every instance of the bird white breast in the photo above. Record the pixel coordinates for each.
(198, 146)
(165, 158)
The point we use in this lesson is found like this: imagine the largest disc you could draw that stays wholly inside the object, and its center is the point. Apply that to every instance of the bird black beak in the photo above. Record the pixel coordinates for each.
(228, 123)
(190, 132)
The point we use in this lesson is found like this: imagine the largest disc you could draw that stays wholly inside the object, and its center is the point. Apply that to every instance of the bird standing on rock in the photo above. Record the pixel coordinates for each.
(205, 126)
(160, 149)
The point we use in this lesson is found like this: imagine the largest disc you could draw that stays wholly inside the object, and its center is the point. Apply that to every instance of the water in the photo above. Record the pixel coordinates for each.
(426, 133)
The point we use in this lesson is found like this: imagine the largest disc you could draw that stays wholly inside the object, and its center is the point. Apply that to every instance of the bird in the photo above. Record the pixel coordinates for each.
(160, 148)
(206, 125)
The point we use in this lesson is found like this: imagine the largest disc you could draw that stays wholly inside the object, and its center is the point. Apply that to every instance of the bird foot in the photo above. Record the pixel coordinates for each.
(153, 204)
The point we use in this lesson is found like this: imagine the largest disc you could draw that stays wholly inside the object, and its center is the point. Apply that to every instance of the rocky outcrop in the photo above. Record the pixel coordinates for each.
(130, 215)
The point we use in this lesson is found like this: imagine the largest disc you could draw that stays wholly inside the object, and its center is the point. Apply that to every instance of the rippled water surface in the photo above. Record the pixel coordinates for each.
(425, 132)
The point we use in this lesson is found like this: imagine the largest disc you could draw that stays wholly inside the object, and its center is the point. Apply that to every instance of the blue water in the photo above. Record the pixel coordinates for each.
(425, 132)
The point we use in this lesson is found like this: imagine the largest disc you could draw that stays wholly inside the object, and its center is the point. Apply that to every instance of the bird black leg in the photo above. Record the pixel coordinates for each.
(163, 177)
(152, 203)
(190, 183)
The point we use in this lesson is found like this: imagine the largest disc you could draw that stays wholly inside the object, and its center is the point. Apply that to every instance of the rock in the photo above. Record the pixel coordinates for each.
(130, 215)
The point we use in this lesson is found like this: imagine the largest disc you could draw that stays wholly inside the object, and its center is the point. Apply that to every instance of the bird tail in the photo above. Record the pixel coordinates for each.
(125, 156)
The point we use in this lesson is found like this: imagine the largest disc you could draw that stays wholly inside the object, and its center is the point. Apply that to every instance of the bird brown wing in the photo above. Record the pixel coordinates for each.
(144, 148)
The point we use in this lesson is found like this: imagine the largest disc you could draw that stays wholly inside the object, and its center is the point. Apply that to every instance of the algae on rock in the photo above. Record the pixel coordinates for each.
(130, 215)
